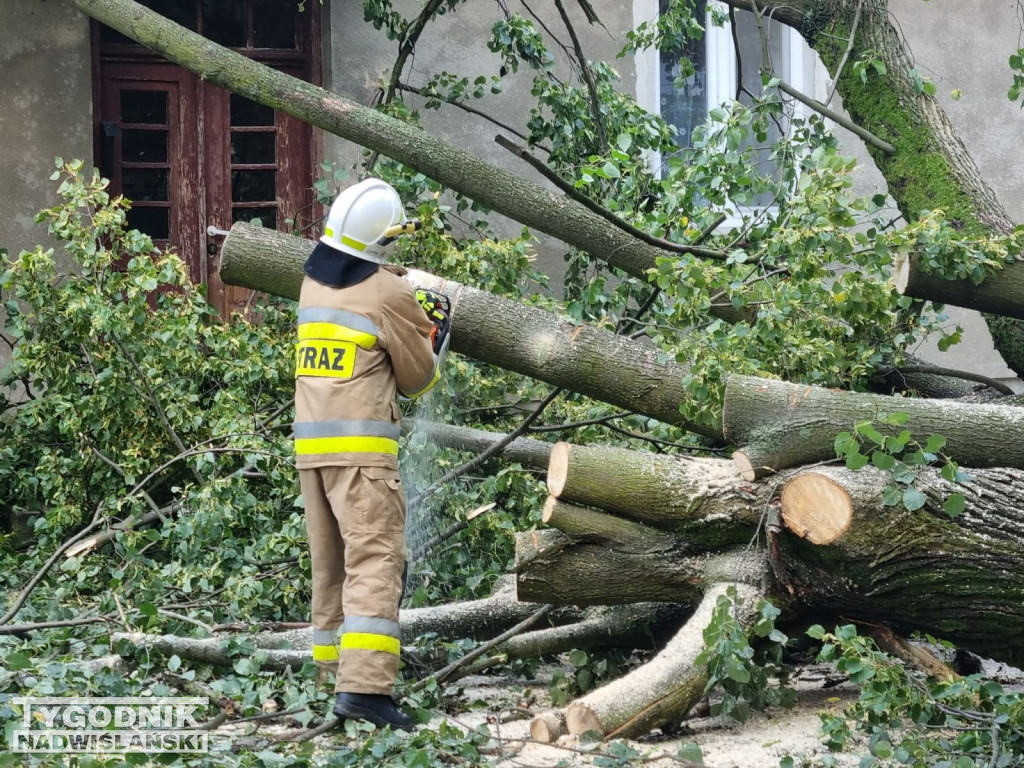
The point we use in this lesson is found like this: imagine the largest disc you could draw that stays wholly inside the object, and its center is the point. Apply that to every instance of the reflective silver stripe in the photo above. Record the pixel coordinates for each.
(346, 428)
(338, 317)
(371, 625)
(325, 637)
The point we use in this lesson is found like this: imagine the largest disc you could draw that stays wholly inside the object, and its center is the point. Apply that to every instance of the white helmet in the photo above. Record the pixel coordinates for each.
(365, 220)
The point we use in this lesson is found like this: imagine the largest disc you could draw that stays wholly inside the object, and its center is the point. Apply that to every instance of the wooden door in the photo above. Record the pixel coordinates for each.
(194, 158)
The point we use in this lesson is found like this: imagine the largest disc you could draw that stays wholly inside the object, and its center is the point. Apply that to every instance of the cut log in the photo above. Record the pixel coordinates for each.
(551, 568)
(781, 425)
(590, 525)
(1000, 294)
(664, 689)
(496, 330)
(547, 727)
(705, 500)
(957, 578)
(816, 508)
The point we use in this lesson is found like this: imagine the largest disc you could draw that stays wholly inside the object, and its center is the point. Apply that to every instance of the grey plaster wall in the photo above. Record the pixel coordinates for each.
(360, 58)
(45, 112)
(45, 109)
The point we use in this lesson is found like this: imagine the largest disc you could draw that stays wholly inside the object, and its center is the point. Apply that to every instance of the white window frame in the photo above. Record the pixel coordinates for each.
(799, 69)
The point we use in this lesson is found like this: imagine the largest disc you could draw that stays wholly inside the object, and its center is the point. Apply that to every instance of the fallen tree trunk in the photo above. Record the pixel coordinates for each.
(1001, 293)
(704, 499)
(496, 330)
(779, 425)
(664, 689)
(553, 568)
(953, 577)
(523, 450)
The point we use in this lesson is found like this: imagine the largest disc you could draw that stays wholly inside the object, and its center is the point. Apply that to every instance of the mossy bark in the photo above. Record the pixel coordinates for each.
(931, 168)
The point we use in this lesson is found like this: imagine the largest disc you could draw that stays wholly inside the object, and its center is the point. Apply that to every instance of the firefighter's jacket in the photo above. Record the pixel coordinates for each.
(359, 346)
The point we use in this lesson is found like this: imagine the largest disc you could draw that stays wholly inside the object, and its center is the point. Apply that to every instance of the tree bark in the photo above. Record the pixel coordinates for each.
(496, 330)
(663, 690)
(489, 185)
(704, 501)
(523, 450)
(552, 567)
(781, 425)
(1000, 294)
(923, 571)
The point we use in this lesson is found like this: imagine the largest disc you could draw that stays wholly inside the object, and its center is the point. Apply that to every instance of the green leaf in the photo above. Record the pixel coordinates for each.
(624, 141)
(691, 753)
(913, 499)
(934, 443)
(882, 460)
(955, 505)
(147, 609)
(611, 171)
(892, 495)
(816, 631)
(856, 460)
(16, 661)
(737, 671)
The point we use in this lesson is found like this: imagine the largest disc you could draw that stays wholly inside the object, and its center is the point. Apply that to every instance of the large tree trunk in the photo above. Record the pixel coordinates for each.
(930, 168)
(495, 330)
(781, 425)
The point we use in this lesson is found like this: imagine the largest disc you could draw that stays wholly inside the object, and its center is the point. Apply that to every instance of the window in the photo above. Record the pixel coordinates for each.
(713, 82)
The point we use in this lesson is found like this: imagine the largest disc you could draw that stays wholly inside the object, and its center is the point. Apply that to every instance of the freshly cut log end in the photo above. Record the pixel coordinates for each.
(579, 718)
(548, 727)
(816, 508)
(549, 508)
(558, 469)
(901, 273)
(745, 466)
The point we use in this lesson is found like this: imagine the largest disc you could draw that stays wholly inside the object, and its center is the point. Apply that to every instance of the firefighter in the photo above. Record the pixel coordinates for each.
(365, 337)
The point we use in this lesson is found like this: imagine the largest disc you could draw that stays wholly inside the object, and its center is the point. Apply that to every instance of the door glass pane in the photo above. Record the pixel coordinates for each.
(224, 22)
(142, 146)
(248, 185)
(684, 83)
(144, 183)
(273, 24)
(267, 215)
(245, 112)
(179, 11)
(144, 107)
(150, 221)
(251, 148)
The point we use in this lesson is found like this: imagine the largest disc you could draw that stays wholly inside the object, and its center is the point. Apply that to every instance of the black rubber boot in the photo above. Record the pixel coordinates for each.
(375, 708)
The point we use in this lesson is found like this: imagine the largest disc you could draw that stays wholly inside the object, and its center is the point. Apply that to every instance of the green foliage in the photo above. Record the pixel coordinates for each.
(900, 455)
(912, 720)
(1017, 68)
(743, 676)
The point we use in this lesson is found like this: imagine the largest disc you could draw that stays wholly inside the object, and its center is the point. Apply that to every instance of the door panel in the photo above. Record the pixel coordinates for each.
(194, 158)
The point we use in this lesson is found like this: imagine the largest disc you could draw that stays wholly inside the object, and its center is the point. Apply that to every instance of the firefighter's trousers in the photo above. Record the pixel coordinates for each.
(355, 518)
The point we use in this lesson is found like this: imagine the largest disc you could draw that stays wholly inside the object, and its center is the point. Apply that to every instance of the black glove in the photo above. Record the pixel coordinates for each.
(438, 309)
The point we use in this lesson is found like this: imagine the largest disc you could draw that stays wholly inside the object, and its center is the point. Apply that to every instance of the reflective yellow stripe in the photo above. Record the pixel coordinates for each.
(312, 445)
(325, 653)
(346, 240)
(436, 377)
(364, 641)
(329, 231)
(334, 359)
(336, 332)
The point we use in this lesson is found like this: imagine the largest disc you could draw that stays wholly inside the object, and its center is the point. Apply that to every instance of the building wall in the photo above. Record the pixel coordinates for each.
(45, 112)
(46, 93)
